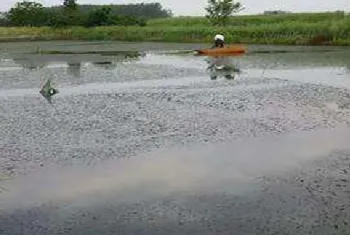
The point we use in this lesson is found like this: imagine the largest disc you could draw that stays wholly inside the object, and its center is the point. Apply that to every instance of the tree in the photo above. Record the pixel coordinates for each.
(4, 20)
(70, 5)
(219, 11)
(99, 17)
(70, 16)
(27, 14)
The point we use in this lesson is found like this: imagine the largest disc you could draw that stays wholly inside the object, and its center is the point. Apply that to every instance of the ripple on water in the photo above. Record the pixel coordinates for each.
(158, 147)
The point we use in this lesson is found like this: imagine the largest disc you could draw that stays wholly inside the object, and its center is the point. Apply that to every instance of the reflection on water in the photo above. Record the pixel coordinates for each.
(107, 65)
(74, 60)
(30, 64)
(166, 171)
(71, 65)
(223, 66)
(74, 69)
(347, 67)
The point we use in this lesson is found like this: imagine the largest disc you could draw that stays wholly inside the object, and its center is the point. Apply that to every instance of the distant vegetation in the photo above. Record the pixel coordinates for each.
(31, 21)
(33, 14)
(327, 28)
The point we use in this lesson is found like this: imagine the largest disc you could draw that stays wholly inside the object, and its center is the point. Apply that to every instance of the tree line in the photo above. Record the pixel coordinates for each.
(30, 13)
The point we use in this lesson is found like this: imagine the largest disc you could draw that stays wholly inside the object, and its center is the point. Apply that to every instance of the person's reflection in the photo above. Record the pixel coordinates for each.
(74, 69)
(222, 66)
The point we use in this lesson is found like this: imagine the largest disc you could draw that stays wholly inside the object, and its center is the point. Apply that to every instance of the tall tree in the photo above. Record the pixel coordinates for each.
(219, 11)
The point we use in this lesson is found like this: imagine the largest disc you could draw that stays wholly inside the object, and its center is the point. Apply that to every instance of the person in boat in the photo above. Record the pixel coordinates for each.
(219, 41)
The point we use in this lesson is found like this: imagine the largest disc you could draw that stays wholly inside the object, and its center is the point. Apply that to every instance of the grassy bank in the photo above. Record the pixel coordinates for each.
(292, 29)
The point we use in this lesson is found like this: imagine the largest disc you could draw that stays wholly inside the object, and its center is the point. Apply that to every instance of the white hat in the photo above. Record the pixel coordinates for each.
(219, 37)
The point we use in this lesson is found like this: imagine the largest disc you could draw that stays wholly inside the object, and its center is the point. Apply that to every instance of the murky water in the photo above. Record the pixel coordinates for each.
(147, 138)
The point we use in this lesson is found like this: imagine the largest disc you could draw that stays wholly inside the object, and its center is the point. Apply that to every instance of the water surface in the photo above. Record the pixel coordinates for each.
(147, 138)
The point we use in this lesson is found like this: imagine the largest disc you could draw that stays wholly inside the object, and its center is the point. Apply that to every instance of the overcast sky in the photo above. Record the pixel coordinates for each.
(195, 7)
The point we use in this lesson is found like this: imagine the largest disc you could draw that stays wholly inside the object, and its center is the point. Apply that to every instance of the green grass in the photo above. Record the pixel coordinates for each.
(292, 29)
(248, 20)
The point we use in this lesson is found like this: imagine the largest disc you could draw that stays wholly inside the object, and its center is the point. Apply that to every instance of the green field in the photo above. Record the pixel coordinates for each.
(292, 29)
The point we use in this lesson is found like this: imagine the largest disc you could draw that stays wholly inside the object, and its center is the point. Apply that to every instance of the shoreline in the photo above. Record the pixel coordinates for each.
(255, 42)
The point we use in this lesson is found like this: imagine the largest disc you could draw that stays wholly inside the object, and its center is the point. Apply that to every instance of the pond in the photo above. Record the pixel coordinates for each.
(149, 138)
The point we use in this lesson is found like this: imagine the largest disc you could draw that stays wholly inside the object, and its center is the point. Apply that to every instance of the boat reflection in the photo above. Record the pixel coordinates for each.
(222, 66)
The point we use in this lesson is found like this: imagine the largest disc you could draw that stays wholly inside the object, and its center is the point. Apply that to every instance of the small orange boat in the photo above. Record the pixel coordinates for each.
(229, 50)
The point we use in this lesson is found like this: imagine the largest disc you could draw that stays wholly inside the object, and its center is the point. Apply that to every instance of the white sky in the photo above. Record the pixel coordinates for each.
(196, 7)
